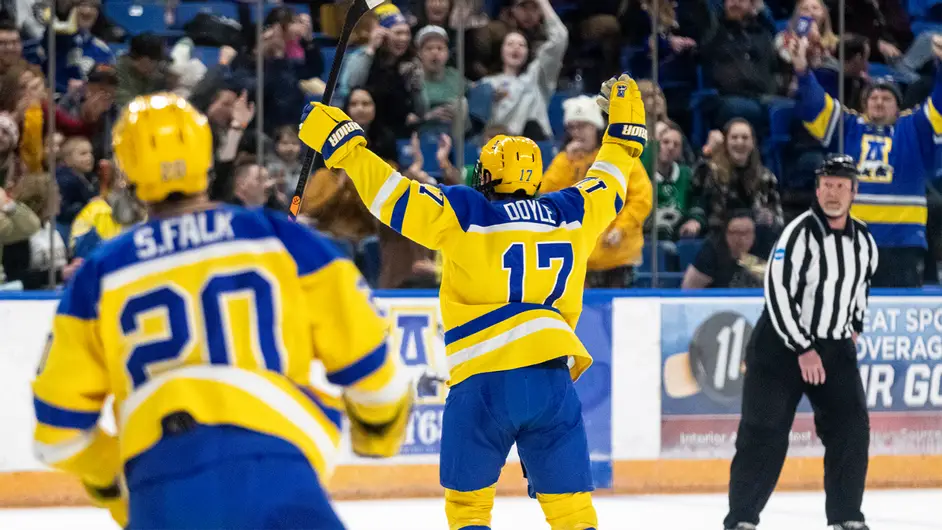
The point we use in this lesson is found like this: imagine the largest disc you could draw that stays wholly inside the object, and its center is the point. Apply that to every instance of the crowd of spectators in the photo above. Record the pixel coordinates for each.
(722, 173)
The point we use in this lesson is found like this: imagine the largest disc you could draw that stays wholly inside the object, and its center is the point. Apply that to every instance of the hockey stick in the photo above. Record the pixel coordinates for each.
(313, 159)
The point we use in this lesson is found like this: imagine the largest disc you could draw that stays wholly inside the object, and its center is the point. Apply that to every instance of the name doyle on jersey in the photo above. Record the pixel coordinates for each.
(180, 233)
(529, 210)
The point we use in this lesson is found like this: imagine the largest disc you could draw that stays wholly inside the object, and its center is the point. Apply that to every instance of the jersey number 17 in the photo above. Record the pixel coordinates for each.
(514, 260)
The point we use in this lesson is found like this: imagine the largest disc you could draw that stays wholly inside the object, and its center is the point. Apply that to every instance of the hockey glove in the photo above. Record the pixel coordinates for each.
(621, 100)
(384, 440)
(329, 131)
(111, 498)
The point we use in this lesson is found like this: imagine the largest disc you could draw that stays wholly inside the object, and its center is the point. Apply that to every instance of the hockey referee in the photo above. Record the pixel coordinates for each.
(816, 289)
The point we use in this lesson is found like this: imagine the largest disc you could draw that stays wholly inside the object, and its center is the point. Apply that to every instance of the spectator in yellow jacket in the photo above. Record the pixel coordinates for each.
(618, 251)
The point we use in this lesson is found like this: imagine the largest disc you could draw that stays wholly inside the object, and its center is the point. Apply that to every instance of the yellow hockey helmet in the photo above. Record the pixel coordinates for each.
(164, 146)
(510, 165)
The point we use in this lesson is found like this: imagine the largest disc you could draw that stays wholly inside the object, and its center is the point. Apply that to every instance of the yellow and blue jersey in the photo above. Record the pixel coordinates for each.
(93, 224)
(512, 271)
(219, 314)
(894, 160)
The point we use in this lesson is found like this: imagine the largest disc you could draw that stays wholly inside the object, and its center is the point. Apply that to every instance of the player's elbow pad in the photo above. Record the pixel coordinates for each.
(380, 440)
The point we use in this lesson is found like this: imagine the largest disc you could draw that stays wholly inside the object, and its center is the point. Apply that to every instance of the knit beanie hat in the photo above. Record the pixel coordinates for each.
(885, 83)
(389, 16)
(584, 109)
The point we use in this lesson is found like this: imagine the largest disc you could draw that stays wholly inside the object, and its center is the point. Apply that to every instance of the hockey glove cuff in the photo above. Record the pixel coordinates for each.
(384, 440)
(329, 131)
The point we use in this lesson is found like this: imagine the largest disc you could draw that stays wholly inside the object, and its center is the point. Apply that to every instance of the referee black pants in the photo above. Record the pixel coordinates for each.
(772, 389)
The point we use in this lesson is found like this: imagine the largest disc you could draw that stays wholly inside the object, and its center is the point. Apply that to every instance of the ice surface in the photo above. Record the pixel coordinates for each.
(885, 510)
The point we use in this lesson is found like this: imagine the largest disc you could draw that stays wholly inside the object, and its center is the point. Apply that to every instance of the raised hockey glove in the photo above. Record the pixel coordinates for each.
(379, 440)
(329, 131)
(627, 125)
(112, 498)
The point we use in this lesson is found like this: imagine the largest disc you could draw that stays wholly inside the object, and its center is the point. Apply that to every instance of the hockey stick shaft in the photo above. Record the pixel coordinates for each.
(312, 159)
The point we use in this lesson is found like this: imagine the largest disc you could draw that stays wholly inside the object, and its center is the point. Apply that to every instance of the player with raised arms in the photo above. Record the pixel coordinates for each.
(511, 294)
(202, 323)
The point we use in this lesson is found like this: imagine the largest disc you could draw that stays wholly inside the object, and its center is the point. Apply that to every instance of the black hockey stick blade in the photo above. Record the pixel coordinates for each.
(313, 159)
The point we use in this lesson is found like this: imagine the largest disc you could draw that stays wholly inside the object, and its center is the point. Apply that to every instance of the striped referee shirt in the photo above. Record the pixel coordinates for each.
(818, 280)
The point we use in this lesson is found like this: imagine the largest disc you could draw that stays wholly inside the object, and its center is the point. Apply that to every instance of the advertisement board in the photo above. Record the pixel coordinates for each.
(703, 344)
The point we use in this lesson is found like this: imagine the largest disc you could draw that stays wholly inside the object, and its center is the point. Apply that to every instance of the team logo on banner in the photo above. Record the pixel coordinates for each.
(418, 338)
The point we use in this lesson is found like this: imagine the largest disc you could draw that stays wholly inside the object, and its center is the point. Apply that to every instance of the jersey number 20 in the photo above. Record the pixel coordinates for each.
(514, 261)
(176, 306)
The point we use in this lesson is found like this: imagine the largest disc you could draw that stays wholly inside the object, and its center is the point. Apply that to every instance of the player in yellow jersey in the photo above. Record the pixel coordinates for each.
(511, 294)
(202, 323)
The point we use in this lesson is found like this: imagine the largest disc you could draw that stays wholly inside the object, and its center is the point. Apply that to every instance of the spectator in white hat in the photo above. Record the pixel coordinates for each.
(441, 86)
(618, 251)
(584, 128)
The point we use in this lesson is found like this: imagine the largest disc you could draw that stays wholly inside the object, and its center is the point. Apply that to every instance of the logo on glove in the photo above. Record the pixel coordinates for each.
(636, 131)
(342, 131)
(621, 91)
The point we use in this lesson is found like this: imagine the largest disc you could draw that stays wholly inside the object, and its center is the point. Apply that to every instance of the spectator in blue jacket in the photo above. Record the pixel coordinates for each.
(77, 49)
(75, 186)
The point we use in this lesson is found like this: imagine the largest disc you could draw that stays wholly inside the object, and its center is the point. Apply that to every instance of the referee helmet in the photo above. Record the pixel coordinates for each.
(837, 165)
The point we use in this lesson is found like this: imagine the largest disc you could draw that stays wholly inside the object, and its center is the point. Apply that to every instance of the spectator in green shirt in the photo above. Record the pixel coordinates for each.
(442, 83)
(673, 181)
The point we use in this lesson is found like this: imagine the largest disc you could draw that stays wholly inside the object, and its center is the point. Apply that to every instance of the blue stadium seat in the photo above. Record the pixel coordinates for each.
(781, 117)
(298, 8)
(923, 26)
(472, 151)
(699, 123)
(665, 280)
(547, 151)
(664, 251)
(368, 260)
(118, 48)
(687, 250)
(187, 11)
(628, 55)
(920, 16)
(917, 9)
(343, 246)
(879, 70)
(208, 55)
(429, 146)
(556, 114)
(137, 17)
(328, 52)
(405, 153)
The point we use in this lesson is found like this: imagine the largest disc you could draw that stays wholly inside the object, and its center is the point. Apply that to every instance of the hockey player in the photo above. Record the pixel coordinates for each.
(511, 294)
(202, 323)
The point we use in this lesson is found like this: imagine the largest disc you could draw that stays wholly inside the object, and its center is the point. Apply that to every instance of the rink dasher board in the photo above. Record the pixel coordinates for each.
(660, 401)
